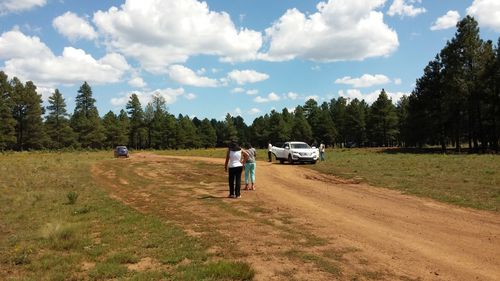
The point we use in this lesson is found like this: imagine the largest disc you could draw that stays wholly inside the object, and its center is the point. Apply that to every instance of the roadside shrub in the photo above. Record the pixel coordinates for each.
(22, 255)
(72, 196)
(61, 236)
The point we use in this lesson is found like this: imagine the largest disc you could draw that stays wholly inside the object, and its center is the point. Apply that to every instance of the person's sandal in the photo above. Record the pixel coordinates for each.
(246, 187)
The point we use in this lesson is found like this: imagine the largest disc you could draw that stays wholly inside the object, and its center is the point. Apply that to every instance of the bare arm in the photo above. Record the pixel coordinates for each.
(245, 156)
(227, 160)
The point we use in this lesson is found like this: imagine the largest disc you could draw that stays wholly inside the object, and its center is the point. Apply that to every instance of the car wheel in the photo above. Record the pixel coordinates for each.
(313, 162)
(290, 160)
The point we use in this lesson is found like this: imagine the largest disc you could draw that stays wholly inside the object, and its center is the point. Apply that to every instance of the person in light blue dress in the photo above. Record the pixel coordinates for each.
(250, 166)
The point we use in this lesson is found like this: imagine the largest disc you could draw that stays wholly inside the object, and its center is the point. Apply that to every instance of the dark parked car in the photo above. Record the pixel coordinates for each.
(121, 150)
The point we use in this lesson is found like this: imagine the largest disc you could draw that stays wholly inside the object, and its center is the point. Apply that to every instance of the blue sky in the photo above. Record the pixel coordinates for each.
(243, 57)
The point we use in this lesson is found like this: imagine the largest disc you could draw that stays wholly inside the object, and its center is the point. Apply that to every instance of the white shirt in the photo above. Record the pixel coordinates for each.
(234, 159)
(270, 147)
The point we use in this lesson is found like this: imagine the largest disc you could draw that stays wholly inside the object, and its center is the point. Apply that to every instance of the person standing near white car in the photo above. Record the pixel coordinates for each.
(269, 150)
(322, 152)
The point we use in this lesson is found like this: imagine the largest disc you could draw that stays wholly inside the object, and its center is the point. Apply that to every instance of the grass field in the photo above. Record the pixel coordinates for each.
(469, 180)
(58, 224)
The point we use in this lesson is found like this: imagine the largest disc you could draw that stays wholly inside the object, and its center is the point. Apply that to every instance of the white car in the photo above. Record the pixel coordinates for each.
(295, 151)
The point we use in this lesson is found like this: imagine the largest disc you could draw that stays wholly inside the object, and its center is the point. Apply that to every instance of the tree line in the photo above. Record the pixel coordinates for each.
(456, 101)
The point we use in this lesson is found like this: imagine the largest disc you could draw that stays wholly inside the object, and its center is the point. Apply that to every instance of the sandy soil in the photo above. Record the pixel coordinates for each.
(374, 233)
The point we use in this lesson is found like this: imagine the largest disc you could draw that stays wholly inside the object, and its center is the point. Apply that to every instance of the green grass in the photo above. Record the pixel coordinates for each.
(465, 180)
(321, 262)
(45, 235)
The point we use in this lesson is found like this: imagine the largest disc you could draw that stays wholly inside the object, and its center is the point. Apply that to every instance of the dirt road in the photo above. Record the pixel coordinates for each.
(362, 232)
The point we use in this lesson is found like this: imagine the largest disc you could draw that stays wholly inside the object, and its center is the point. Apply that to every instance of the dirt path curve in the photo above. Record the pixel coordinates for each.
(408, 237)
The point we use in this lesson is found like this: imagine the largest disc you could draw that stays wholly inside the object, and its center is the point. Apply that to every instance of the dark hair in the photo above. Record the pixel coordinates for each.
(248, 145)
(234, 146)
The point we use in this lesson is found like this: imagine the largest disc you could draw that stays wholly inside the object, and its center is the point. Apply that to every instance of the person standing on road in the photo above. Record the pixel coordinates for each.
(250, 166)
(235, 159)
(269, 150)
(322, 152)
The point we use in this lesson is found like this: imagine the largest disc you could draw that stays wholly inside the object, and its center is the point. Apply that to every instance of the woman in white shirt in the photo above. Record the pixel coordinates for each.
(235, 159)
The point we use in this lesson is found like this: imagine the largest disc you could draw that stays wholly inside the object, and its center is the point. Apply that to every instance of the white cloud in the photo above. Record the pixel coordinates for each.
(254, 111)
(159, 33)
(201, 71)
(190, 96)
(170, 95)
(314, 97)
(237, 112)
(242, 77)
(46, 92)
(14, 44)
(366, 80)
(401, 8)
(237, 90)
(137, 82)
(15, 6)
(340, 30)
(447, 21)
(398, 81)
(186, 76)
(316, 68)
(270, 97)
(30, 59)
(292, 95)
(486, 12)
(252, 92)
(74, 27)
(370, 97)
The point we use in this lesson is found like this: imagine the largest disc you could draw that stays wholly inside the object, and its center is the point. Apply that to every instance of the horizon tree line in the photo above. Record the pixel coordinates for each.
(455, 102)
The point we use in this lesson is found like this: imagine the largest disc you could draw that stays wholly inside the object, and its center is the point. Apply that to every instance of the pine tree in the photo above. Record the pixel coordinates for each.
(460, 59)
(259, 131)
(287, 123)
(113, 131)
(57, 123)
(7, 121)
(192, 139)
(157, 122)
(241, 129)
(137, 131)
(301, 130)
(326, 131)
(383, 121)
(230, 133)
(28, 112)
(207, 135)
(338, 113)
(86, 121)
(277, 128)
(124, 125)
(356, 112)
(402, 110)
(311, 112)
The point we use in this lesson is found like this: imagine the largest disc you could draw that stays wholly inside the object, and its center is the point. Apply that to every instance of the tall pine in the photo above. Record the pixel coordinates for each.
(86, 121)
(57, 123)
(7, 121)
(137, 132)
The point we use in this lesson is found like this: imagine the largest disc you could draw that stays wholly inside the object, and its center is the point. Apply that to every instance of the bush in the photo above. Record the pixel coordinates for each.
(72, 196)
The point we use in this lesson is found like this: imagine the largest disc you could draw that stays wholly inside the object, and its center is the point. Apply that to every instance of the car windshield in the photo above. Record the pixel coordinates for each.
(300, 145)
